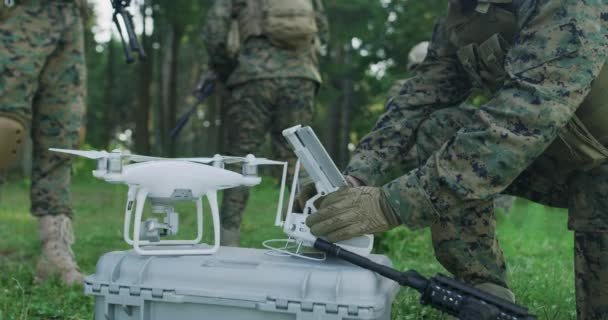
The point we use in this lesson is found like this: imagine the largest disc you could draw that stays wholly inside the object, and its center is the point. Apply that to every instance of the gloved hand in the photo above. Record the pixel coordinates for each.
(309, 190)
(351, 212)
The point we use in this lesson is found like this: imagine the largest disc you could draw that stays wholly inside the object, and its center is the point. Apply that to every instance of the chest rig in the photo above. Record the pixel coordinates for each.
(483, 31)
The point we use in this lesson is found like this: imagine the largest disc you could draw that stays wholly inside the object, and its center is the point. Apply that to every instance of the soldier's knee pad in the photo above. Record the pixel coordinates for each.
(12, 139)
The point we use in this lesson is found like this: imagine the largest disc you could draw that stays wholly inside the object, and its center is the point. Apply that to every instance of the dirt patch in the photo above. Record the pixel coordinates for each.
(7, 252)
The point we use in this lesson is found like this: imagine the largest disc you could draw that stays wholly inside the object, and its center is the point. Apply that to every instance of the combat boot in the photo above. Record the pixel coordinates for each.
(57, 257)
(494, 289)
(230, 237)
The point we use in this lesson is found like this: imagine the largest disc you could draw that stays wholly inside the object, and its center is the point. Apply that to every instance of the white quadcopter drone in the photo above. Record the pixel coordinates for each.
(167, 181)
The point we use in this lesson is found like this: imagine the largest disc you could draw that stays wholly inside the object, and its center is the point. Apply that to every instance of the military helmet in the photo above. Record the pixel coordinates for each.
(417, 54)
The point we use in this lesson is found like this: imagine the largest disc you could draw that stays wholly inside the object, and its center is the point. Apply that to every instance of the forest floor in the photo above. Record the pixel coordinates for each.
(536, 244)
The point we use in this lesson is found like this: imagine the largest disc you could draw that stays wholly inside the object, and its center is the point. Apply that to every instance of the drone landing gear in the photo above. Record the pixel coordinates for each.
(146, 235)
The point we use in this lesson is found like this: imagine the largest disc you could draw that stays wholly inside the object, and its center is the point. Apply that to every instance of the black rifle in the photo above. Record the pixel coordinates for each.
(204, 89)
(120, 9)
(440, 292)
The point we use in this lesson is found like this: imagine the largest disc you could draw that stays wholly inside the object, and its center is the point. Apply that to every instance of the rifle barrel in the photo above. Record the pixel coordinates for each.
(440, 292)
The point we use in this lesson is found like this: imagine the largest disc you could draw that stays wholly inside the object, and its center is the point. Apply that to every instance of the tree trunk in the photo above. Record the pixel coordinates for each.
(142, 116)
(213, 113)
(221, 103)
(333, 131)
(347, 102)
(173, 80)
(164, 122)
(107, 118)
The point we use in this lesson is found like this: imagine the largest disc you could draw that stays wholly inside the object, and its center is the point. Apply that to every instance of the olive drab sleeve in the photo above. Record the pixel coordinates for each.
(439, 82)
(215, 33)
(559, 51)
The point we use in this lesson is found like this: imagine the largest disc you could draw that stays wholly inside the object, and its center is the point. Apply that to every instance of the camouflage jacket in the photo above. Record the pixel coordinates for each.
(558, 50)
(258, 58)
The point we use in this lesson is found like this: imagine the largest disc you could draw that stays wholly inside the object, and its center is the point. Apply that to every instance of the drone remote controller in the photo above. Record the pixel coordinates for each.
(327, 178)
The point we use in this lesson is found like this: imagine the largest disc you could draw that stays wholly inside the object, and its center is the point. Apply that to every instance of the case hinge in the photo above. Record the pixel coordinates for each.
(281, 304)
(158, 293)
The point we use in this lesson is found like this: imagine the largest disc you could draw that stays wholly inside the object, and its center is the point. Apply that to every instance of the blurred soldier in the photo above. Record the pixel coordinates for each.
(266, 53)
(541, 136)
(42, 92)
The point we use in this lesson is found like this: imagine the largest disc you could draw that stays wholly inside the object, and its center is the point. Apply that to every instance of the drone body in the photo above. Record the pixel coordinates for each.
(163, 178)
(166, 181)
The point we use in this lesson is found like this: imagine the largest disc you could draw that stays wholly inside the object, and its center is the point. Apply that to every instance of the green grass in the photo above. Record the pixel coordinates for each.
(539, 253)
(537, 246)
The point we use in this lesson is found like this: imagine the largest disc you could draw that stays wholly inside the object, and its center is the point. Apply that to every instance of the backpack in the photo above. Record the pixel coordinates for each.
(288, 24)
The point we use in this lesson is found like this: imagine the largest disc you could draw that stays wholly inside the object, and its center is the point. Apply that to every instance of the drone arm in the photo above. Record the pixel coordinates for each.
(142, 194)
(199, 219)
(287, 221)
(277, 221)
(129, 213)
(215, 213)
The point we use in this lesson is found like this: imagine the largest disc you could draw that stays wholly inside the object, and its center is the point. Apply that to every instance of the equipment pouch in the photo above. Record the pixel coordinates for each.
(485, 63)
(465, 28)
(469, 58)
(492, 55)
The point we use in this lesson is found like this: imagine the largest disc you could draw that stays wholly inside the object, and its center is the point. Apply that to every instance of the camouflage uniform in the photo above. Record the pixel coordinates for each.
(43, 88)
(547, 60)
(271, 89)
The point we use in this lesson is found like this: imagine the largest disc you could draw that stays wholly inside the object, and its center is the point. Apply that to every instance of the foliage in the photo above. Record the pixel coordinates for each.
(535, 241)
(367, 52)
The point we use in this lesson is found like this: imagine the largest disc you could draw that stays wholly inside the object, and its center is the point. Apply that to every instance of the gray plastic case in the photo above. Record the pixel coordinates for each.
(236, 283)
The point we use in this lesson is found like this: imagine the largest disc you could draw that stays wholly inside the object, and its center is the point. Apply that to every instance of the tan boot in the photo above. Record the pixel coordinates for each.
(494, 289)
(230, 237)
(497, 290)
(57, 257)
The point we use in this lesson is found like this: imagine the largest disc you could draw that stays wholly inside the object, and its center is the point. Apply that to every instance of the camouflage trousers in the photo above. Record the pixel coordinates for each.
(42, 85)
(257, 108)
(466, 243)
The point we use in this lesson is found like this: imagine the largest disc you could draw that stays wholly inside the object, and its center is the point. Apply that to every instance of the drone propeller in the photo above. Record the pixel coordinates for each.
(249, 160)
(92, 154)
(138, 158)
(216, 158)
(253, 161)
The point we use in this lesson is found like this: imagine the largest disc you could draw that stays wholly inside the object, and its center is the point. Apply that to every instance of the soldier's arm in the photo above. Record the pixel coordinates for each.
(322, 22)
(558, 53)
(438, 82)
(215, 33)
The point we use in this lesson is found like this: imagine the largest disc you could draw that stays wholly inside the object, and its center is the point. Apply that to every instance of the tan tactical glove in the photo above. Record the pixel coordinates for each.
(309, 190)
(351, 212)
